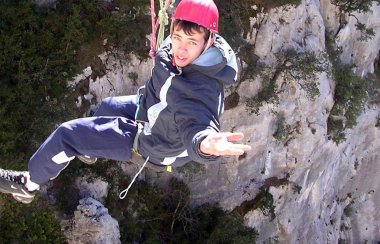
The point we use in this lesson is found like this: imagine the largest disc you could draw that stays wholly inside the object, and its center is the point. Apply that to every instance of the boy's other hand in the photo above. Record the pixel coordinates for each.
(222, 144)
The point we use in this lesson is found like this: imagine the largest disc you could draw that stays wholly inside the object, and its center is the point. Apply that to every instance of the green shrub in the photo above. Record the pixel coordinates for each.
(295, 67)
(351, 93)
(42, 48)
(235, 23)
(230, 229)
(351, 8)
(150, 215)
(191, 169)
(34, 223)
(283, 131)
(268, 93)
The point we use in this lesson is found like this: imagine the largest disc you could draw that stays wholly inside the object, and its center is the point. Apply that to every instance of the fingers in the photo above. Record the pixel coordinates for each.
(244, 147)
(235, 136)
(230, 136)
(237, 149)
(222, 144)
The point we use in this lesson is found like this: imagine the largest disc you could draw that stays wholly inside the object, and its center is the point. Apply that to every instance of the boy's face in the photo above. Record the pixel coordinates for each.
(186, 48)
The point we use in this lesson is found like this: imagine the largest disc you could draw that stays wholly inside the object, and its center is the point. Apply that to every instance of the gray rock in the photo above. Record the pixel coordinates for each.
(91, 224)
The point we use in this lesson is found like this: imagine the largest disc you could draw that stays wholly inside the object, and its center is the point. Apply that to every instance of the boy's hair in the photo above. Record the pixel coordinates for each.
(189, 28)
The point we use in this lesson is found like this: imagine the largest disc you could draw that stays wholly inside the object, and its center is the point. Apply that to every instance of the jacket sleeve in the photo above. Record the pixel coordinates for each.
(197, 114)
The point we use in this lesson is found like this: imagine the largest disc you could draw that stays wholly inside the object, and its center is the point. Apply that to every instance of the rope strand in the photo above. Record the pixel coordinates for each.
(162, 21)
(152, 52)
(124, 193)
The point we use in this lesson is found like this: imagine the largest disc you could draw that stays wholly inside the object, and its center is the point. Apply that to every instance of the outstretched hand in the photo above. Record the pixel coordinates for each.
(222, 144)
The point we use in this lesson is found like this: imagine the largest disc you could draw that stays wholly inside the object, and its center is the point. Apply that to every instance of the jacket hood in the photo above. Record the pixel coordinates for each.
(218, 61)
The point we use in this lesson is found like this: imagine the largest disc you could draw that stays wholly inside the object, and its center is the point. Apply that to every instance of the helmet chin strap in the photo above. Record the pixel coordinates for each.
(173, 61)
(209, 43)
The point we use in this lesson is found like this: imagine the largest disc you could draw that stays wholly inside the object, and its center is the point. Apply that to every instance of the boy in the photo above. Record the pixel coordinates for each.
(178, 111)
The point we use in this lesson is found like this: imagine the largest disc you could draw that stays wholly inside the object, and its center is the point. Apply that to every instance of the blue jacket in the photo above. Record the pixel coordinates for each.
(181, 106)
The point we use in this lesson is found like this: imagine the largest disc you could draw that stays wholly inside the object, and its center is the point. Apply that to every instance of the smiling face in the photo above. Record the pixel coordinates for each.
(187, 45)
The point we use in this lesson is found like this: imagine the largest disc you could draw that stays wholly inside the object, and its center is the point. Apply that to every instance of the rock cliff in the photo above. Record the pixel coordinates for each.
(91, 224)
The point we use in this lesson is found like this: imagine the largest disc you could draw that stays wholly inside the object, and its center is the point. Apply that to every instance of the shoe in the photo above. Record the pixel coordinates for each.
(87, 159)
(13, 182)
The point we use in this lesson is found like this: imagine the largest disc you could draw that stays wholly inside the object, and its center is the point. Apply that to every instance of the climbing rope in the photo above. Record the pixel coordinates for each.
(161, 21)
(124, 193)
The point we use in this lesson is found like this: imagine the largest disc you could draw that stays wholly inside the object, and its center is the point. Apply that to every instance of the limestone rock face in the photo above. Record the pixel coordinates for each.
(95, 188)
(121, 77)
(111, 77)
(361, 53)
(92, 224)
(301, 28)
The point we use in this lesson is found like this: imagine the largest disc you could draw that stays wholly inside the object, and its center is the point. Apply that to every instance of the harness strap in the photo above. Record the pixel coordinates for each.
(137, 158)
(136, 140)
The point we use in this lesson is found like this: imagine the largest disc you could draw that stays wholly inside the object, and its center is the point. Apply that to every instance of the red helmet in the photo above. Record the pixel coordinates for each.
(202, 12)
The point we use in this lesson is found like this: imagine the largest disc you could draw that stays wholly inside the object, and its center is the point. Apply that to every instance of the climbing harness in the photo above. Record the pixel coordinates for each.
(137, 158)
(161, 21)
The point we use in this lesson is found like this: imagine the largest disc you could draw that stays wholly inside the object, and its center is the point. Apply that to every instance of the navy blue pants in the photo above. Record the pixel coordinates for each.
(108, 134)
